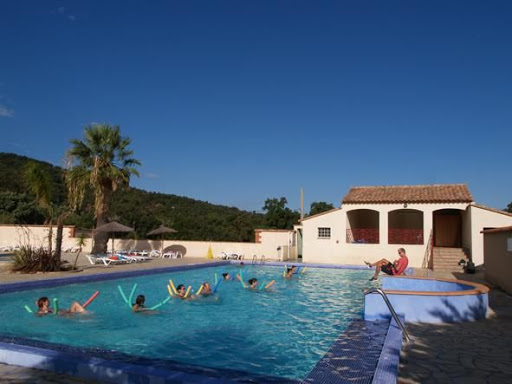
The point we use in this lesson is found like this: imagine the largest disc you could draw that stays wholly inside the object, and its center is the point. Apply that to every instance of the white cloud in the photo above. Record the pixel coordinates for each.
(6, 112)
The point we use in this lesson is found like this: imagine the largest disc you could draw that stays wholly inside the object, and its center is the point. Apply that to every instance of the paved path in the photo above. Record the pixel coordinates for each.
(466, 353)
(475, 352)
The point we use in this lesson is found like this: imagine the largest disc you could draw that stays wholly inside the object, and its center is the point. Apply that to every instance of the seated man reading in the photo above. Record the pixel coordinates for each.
(391, 268)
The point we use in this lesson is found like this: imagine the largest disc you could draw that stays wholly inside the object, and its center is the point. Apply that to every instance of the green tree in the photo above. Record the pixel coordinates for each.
(319, 207)
(509, 207)
(104, 162)
(278, 216)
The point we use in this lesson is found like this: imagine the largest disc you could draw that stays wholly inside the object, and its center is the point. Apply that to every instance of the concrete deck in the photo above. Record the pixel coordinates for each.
(476, 352)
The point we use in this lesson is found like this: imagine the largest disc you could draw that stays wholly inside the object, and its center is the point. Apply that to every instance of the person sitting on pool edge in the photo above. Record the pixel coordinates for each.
(43, 305)
(253, 283)
(391, 268)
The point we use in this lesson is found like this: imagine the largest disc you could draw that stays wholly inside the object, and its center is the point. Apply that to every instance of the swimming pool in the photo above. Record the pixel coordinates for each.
(280, 334)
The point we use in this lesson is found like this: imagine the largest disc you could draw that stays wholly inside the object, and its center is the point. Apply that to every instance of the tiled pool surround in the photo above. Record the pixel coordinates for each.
(429, 300)
(365, 351)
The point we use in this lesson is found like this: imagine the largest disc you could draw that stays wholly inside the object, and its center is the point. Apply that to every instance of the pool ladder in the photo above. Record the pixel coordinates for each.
(255, 259)
(391, 309)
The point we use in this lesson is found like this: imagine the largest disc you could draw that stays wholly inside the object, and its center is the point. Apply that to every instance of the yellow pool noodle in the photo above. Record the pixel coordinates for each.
(173, 287)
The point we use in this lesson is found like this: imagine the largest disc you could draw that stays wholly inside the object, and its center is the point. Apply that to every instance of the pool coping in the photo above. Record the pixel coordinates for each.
(75, 365)
(478, 289)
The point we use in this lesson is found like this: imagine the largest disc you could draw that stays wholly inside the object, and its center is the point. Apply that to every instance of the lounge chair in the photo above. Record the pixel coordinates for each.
(93, 259)
(173, 255)
(155, 253)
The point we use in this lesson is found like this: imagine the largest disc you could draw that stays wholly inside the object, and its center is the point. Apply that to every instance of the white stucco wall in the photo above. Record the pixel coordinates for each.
(498, 259)
(37, 235)
(483, 218)
(336, 250)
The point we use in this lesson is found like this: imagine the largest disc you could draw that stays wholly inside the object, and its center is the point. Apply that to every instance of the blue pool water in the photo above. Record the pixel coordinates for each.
(283, 333)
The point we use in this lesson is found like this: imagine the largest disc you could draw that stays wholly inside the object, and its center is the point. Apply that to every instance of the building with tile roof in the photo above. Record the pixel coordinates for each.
(437, 224)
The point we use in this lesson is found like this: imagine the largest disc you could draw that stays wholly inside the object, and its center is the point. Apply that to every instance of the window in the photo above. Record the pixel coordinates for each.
(324, 233)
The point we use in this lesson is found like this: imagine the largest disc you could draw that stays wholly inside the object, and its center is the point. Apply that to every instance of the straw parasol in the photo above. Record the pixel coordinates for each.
(114, 227)
(161, 230)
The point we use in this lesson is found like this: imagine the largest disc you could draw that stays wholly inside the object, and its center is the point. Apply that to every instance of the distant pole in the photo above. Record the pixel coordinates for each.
(301, 203)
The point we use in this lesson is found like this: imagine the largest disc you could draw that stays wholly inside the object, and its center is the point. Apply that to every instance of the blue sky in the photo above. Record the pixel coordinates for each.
(234, 102)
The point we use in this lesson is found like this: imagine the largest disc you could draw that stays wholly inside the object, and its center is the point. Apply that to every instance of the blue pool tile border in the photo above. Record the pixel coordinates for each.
(348, 360)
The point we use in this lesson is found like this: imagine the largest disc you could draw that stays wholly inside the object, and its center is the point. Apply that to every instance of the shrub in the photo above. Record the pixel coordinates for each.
(31, 259)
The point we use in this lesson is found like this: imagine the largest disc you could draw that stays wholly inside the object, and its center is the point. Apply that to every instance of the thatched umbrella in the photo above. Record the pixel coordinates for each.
(114, 227)
(162, 230)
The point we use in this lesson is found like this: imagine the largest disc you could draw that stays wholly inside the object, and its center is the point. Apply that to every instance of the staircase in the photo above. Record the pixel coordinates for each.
(447, 259)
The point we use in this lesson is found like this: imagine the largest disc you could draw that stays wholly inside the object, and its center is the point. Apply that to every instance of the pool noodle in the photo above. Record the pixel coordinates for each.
(124, 296)
(216, 286)
(130, 300)
(200, 290)
(263, 286)
(171, 293)
(160, 304)
(28, 309)
(94, 295)
(216, 278)
(188, 291)
(303, 269)
(173, 287)
(55, 307)
(242, 279)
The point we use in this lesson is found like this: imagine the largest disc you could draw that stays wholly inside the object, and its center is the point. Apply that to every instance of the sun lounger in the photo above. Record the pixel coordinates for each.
(93, 259)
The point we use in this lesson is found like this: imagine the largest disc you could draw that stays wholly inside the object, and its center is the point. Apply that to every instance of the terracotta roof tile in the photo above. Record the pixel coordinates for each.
(434, 193)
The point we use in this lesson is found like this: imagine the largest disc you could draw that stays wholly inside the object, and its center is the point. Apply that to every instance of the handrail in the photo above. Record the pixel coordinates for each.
(391, 309)
(262, 261)
(254, 259)
(428, 252)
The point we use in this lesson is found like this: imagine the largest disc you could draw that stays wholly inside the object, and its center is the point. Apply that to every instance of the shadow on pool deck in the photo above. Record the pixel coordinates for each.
(472, 352)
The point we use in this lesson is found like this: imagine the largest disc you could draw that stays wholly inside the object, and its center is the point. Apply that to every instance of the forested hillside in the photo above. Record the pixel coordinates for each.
(142, 210)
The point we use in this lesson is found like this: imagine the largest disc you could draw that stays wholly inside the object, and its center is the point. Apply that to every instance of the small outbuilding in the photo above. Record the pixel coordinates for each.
(498, 257)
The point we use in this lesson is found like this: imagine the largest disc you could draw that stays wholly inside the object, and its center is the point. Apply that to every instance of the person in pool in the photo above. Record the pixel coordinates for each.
(182, 292)
(139, 304)
(207, 289)
(43, 305)
(227, 276)
(290, 271)
(253, 283)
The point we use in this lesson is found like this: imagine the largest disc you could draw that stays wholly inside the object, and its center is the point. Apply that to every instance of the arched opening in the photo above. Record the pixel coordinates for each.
(405, 226)
(448, 228)
(363, 226)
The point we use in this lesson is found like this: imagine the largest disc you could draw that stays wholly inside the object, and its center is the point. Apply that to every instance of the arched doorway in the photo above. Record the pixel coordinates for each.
(448, 228)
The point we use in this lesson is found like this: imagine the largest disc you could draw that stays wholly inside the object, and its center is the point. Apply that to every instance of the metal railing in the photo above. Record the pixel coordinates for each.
(391, 309)
(255, 259)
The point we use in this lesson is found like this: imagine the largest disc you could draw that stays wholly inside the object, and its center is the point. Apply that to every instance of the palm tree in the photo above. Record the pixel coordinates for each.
(40, 183)
(80, 243)
(104, 162)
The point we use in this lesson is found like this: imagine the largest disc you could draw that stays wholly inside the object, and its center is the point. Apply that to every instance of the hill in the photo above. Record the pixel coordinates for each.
(142, 210)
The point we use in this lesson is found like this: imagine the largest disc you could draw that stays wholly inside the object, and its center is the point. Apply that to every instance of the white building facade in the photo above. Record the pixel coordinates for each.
(438, 225)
